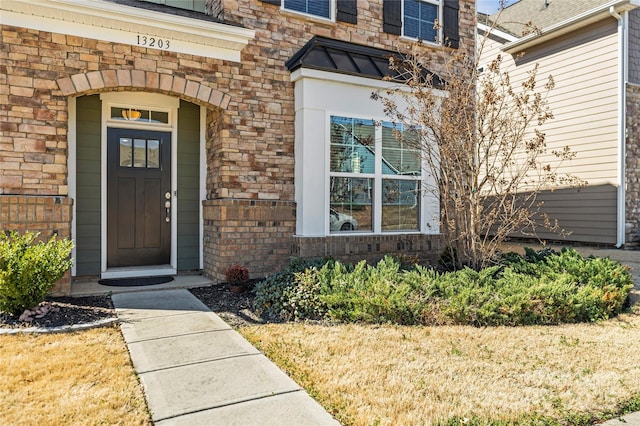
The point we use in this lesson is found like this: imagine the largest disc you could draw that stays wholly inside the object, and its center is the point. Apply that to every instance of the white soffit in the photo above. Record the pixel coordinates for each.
(572, 24)
(118, 23)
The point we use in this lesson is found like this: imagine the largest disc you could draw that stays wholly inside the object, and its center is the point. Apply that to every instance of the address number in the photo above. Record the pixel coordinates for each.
(158, 43)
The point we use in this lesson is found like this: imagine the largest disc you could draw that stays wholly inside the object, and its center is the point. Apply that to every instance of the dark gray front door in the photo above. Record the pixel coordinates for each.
(138, 197)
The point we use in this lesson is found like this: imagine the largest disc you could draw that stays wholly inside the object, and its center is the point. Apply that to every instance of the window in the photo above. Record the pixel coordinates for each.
(419, 19)
(140, 115)
(375, 176)
(416, 18)
(194, 5)
(139, 153)
(320, 8)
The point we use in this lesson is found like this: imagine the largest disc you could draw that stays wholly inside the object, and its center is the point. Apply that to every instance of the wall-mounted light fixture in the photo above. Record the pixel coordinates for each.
(131, 114)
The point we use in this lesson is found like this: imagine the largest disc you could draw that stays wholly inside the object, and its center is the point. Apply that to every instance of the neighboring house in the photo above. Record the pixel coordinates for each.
(162, 139)
(591, 48)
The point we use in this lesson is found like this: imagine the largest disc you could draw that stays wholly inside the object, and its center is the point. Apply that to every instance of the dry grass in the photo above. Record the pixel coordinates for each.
(73, 378)
(421, 375)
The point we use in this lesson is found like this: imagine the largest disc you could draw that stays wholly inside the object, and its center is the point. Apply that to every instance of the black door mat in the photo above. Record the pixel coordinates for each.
(136, 281)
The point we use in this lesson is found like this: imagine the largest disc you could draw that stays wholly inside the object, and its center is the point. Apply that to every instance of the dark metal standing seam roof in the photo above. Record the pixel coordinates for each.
(338, 56)
(342, 57)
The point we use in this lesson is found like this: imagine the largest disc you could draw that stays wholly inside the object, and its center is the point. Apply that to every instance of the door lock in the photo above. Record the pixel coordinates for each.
(167, 207)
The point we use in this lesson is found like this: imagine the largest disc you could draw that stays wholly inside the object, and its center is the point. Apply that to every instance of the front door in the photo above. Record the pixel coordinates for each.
(138, 197)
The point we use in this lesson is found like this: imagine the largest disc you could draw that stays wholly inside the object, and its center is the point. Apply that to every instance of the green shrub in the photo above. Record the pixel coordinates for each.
(29, 269)
(543, 287)
(273, 295)
(370, 294)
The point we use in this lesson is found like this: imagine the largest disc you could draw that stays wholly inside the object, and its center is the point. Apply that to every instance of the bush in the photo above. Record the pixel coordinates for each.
(276, 297)
(539, 288)
(236, 274)
(29, 269)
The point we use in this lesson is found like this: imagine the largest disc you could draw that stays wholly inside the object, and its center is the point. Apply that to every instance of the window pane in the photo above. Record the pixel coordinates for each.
(153, 154)
(116, 113)
(419, 19)
(400, 150)
(351, 204)
(312, 7)
(159, 117)
(125, 152)
(139, 153)
(352, 145)
(400, 205)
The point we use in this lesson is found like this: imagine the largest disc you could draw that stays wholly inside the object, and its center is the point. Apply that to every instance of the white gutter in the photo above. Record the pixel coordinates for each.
(492, 30)
(571, 24)
(623, 40)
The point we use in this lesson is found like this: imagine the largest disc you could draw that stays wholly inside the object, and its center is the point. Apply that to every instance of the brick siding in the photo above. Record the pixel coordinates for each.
(368, 247)
(46, 215)
(254, 233)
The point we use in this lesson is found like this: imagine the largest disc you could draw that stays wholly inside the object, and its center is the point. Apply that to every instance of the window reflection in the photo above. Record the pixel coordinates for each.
(125, 152)
(153, 154)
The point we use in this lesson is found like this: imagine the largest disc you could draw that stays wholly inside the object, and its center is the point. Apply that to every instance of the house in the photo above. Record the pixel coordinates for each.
(166, 136)
(591, 48)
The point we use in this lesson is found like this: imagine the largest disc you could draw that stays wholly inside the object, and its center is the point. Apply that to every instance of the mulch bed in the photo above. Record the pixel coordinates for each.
(73, 311)
(234, 308)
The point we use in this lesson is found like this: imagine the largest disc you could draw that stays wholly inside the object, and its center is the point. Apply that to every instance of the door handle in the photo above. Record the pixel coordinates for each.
(167, 207)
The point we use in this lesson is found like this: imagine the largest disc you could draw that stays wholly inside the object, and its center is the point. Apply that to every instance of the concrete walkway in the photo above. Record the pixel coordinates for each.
(196, 370)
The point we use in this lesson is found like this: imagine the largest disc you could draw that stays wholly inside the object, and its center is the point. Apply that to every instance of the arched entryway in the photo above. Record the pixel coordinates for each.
(137, 174)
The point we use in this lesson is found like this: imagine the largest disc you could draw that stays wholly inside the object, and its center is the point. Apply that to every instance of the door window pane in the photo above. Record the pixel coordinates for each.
(125, 152)
(139, 153)
(400, 205)
(351, 207)
(153, 154)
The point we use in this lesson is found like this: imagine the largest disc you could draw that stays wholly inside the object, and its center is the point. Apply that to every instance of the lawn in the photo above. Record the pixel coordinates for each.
(83, 377)
(391, 375)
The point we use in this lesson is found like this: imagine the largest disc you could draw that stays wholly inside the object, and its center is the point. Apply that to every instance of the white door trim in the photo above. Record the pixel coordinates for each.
(150, 100)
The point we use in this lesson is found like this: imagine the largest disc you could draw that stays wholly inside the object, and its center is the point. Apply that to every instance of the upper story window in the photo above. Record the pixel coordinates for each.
(419, 19)
(320, 8)
(342, 10)
(195, 5)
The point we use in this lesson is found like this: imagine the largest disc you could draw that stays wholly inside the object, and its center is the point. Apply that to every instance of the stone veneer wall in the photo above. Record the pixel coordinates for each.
(633, 165)
(250, 139)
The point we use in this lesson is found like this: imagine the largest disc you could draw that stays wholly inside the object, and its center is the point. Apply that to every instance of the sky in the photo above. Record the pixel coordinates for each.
(489, 6)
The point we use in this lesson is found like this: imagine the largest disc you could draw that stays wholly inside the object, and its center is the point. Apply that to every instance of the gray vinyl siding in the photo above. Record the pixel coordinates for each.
(586, 215)
(188, 156)
(634, 46)
(87, 201)
(584, 102)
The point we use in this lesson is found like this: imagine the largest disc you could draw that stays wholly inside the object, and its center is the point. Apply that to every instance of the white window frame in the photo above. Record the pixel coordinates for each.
(378, 177)
(141, 107)
(440, 6)
(332, 12)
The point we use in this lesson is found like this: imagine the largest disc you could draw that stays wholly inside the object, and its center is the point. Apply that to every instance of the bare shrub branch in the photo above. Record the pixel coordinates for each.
(481, 140)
